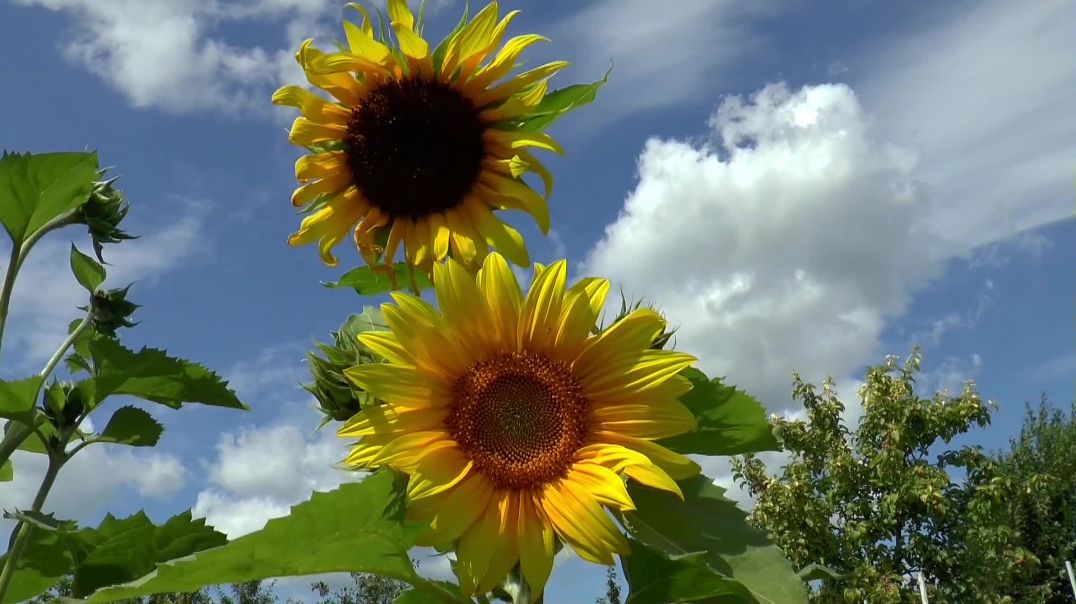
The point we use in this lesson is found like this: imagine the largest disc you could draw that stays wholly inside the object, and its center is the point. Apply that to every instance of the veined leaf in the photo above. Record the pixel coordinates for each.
(559, 102)
(17, 399)
(708, 524)
(131, 426)
(366, 282)
(35, 188)
(358, 527)
(730, 422)
(120, 549)
(152, 375)
(88, 272)
(656, 578)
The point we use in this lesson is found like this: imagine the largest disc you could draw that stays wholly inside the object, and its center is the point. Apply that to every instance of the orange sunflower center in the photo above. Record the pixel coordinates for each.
(521, 417)
(414, 147)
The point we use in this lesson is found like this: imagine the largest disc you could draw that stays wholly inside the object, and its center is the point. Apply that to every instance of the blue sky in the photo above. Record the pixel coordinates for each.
(795, 187)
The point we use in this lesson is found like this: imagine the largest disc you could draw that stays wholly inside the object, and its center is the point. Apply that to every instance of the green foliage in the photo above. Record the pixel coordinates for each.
(338, 398)
(729, 421)
(612, 588)
(558, 103)
(861, 511)
(1037, 485)
(366, 282)
(358, 527)
(87, 271)
(131, 426)
(7, 471)
(368, 588)
(705, 532)
(658, 579)
(36, 189)
(117, 550)
(152, 375)
(17, 399)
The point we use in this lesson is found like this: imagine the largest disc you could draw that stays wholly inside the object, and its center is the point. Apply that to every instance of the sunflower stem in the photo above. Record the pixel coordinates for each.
(21, 532)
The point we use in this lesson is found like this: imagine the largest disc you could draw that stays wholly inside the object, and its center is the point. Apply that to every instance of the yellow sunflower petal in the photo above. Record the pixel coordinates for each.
(654, 477)
(305, 132)
(535, 544)
(542, 307)
(676, 465)
(454, 511)
(337, 182)
(475, 60)
(329, 225)
(363, 45)
(581, 523)
(519, 139)
(405, 452)
(500, 236)
(386, 419)
(411, 43)
(506, 549)
(518, 82)
(504, 62)
(503, 298)
(499, 190)
(312, 106)
(654, 421)
(440, 234)
(619, 343)
(538, 168)
(400, 13)
(397, 384)
(471, 39)
(462, 304)
(436, 474)
(387, 345)
(602, 484)
(479, 543)
(330, 164)
(634, 378)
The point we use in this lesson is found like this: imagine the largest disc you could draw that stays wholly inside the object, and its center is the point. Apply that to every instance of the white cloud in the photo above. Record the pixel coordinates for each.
(661, 56)
(984, 92)
(95, 480)
(783, 242)
(168, 54)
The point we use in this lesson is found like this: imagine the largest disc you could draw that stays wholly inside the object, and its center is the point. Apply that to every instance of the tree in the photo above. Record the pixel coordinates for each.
(612, 588)
(1039, 472)
(861, 512)
(366, 588)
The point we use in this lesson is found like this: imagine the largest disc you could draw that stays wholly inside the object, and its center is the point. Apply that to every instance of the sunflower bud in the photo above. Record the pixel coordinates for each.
(337, 397)
(102, 213)
(111, 311)
(626, 308)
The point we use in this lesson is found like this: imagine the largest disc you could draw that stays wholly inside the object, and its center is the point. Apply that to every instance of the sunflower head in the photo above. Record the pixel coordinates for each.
(516, 423)
(414, 148)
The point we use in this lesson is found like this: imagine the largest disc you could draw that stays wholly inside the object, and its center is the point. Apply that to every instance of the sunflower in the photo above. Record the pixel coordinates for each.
(515, 422)
(418, 147)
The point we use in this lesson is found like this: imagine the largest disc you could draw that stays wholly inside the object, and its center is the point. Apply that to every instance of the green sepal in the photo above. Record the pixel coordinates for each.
(558, 103)
(366, 282)
(337, 397)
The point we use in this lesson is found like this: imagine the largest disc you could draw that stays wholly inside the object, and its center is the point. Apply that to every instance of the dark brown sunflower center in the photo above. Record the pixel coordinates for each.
(414, 147)
(521, 417)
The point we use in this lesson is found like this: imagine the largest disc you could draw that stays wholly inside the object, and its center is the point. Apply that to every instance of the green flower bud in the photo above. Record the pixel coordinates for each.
(111, 310)
(102, 213)
(337, 397)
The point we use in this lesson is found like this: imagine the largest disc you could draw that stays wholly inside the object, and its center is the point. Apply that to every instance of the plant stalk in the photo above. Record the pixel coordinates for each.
(21, 532)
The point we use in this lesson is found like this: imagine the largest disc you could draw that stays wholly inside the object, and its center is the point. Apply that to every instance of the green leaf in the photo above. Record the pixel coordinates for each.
(35, 189)
(118, 550)
(87, 271)
(131, 426)
(7, 471)
(657, 579)
(560, 102)
(17, 399)
(152, 375)
(358, 527)
(367, 283)
(730, 422)
(708, 523)
(33, 443)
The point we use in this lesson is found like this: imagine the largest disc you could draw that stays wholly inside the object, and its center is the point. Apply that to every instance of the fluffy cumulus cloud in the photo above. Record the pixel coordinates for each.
(783, 241)
(100, 478)
(170, 55)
